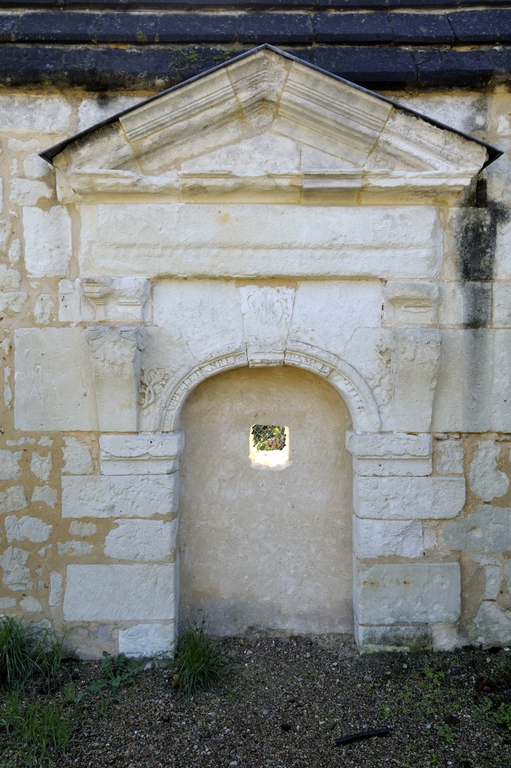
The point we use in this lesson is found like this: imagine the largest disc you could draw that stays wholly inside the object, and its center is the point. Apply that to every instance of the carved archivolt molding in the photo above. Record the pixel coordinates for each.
(342, 376)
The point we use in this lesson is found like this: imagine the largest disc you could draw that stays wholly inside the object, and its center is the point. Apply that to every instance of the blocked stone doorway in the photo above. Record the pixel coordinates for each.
(258, 546)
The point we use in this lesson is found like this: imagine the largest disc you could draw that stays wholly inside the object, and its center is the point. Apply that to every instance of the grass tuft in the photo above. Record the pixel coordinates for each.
(28, 653)
(199, 660)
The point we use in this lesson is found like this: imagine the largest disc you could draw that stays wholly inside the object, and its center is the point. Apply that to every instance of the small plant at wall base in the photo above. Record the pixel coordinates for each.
(116, 671)
(199, 661)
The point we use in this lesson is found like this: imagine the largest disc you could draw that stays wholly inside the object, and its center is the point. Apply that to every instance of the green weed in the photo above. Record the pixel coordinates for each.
(495, 711)
(116, 671)
(199, 660)
(34, 729)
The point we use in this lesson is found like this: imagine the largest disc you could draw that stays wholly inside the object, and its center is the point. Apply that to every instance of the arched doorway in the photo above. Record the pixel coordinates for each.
(266, 547)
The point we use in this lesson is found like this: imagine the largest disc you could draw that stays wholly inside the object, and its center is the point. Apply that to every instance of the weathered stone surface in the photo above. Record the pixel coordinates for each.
(448, 457)
(119, 593)
(115, 362)
(13, 499)
(149, 454)
(77, 457)
(146, 640)
(113, 300)
(29, 192)
(415, 356)
(31, 605)
(141, 540)
(74, 548)
(390, 454)
(45, 494)
(23, 113)
(42, 309)
(41, 466)
(177, 240)
(394, 638)
(487, 529)
(493, 575)
(393, 594)
(47, 241)
(445, 637)
(11, 302)
(9, 465)
(16, 574)
(98, 496)
(55, 596)
(34, 167)
(407, 498)
(31, 528)
(485, 479)
(380, 538)
(82, 529)
(492, 625)
(411, 303)
(50, 395)
(502, 305)
(10, 279)
(7, 602)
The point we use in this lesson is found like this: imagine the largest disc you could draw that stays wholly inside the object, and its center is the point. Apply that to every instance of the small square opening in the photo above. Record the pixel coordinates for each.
(269, 446)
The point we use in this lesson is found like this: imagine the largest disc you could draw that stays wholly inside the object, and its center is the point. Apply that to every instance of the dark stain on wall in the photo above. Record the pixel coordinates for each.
(476, 242)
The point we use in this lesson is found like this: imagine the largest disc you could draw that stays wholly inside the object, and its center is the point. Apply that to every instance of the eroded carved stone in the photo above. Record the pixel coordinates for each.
(149, 454)
(411, 303)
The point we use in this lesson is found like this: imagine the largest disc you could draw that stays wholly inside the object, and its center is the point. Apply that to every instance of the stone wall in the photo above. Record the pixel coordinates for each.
(88, 492)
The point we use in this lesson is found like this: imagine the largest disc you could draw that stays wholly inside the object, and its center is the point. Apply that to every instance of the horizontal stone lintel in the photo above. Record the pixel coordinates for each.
(409, 498)
(95, 67)
(119, 496)
(141, 454)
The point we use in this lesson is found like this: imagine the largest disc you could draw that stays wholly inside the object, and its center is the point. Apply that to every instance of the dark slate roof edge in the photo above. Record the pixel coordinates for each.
(48, 154)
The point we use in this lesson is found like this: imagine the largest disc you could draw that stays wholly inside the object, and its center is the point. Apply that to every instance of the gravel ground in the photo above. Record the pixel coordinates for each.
(284, 703)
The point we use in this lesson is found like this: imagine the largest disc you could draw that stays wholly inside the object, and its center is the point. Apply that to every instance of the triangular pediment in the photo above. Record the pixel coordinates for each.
(267, 126)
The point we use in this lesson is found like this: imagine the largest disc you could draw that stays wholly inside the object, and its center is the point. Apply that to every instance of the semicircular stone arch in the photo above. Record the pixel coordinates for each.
(342, 376)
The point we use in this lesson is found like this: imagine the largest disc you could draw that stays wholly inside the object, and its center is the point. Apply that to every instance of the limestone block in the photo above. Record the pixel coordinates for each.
(390, 454)
(394, 638)
(448, 457)
(124, 496)
(16, 574)
(10, 279)
(487, 529)
(327, 313)
(91, 641)
(42, 309)
(411, 303)
(34, 167)
(146, 640)
(93, 110)
(9, 465)
(451, 308)
(45, 494)
(41, 466)
(82, 529)
(485, 479)
(47, 241)
(70, 300)
(141, 454)
(502, 305)
(56, 583)
(26, 113)
(11, 302)
(465, 112)
(415, 358)
(492, 625)
(119, 593)
(29, 192)
(180, 240)
(6, 603)
(445, 637)
(380, 538)
(190, 310)
(5, 233)
(266, 313)
(14, 251)
(141, 540)
(13, 499)
(77, 457)
(393, 594)
(31, 528)
(115, 362)
(257, 155)
(31, 605)
(53, 376)
(74, 548)
(408, 498)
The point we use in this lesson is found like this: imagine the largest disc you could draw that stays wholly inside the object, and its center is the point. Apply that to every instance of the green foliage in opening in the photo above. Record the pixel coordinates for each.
(268, 437)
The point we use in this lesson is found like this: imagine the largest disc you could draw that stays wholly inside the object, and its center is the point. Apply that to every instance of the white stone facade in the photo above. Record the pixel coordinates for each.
(216, 228)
